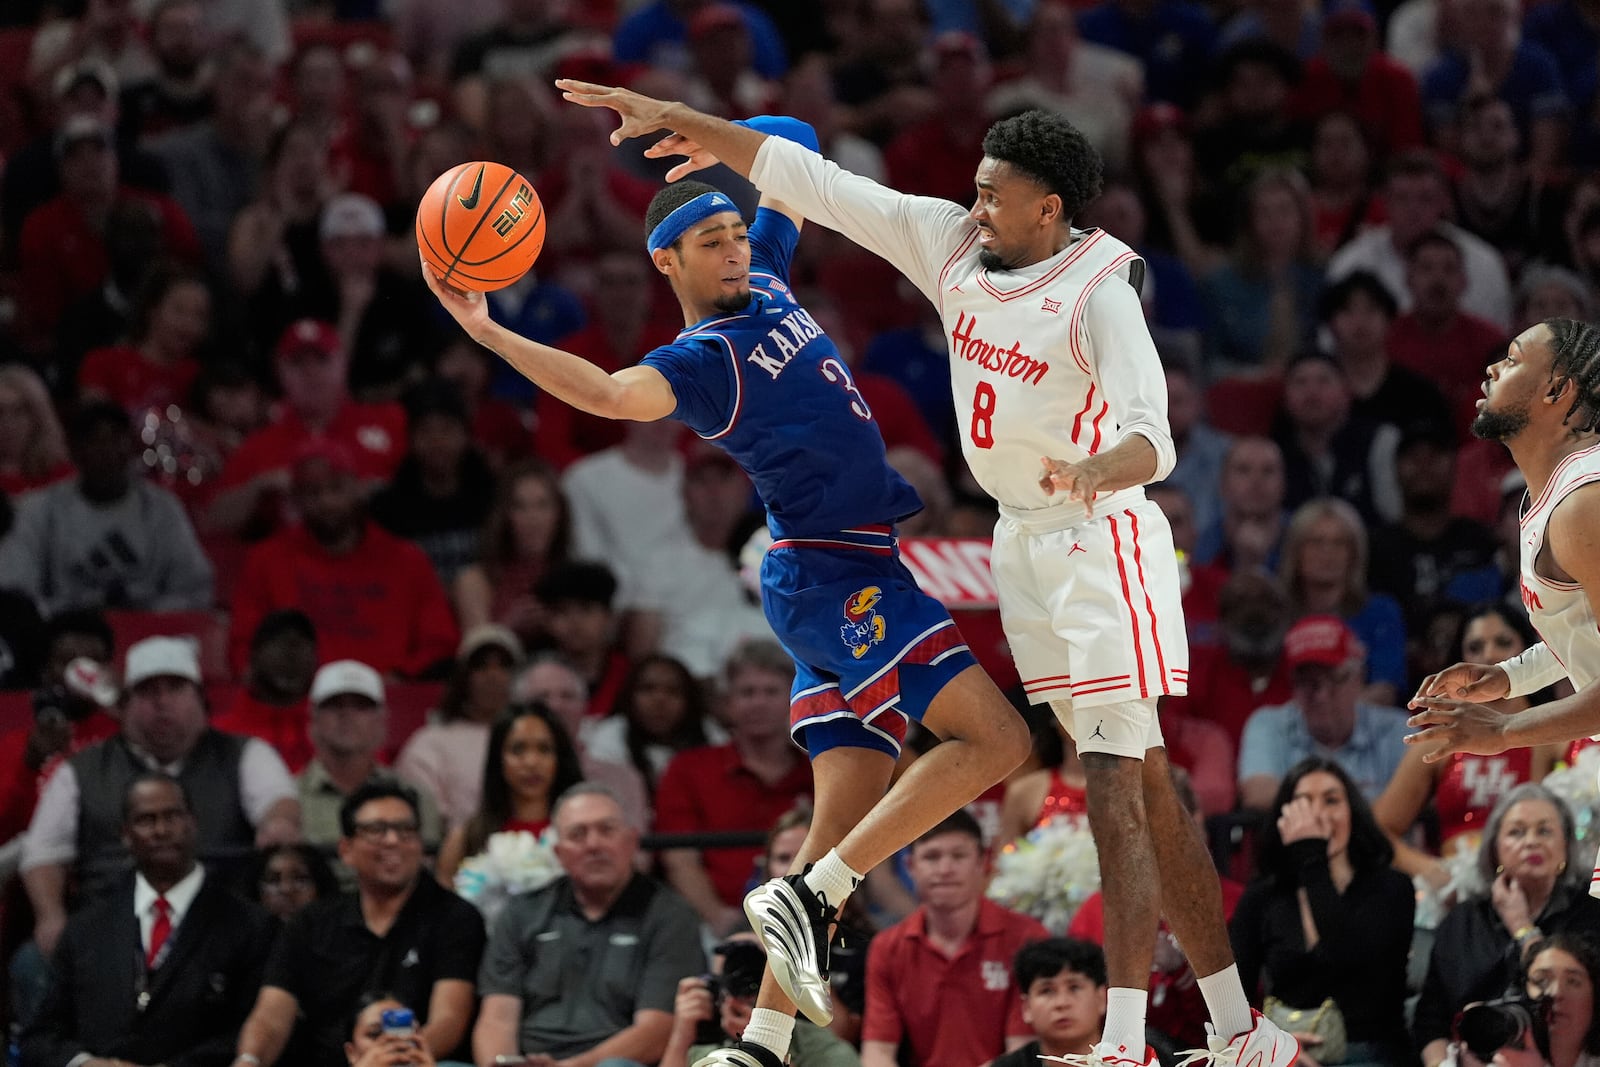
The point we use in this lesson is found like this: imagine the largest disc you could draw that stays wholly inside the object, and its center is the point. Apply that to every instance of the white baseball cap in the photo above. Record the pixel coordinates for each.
(162, 657)
(351, 215)
(345, 676)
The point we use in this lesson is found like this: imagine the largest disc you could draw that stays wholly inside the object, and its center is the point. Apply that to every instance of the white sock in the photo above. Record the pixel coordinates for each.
(831, 879)
(1124, 1029)
(1225, 999)
(771, 1030)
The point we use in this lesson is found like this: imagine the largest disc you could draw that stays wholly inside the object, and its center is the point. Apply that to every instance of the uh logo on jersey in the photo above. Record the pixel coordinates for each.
(864, 626)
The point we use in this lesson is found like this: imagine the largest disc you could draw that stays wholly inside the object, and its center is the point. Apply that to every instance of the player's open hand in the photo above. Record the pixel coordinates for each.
(676, 144)
(1450, 726)
(1080, 481)
(640, 114)
(471, 310)
(1476, 683)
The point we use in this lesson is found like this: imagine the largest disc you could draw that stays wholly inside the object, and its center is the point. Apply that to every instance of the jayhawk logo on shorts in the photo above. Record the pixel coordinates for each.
(866, 627)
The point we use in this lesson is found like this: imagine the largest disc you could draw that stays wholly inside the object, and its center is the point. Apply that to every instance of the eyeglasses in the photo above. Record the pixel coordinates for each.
(378, 829)
(286, 883)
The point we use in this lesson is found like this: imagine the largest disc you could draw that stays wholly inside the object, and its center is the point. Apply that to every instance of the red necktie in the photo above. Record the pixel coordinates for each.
(160, 930)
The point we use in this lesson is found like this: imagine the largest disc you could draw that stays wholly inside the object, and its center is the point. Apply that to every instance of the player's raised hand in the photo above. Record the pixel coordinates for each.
(1080, 481)
(640, 114)
(1451, 726)
(1475, 683)
(471, 310)
(675, 144)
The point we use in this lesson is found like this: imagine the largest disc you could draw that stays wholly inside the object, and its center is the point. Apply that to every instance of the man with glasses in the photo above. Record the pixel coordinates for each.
(587, 968)
(196, 951)
(400, 931)
(1326, 717)
(349, 724)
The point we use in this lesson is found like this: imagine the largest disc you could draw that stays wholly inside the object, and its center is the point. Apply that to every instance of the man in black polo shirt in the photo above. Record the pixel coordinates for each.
(587, 968)
(400, 932)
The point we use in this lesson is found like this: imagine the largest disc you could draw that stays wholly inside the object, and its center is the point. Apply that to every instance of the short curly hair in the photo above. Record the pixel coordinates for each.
(1051, 151)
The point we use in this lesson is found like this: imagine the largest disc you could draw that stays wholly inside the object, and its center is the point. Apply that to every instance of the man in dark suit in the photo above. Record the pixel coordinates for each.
(162, 970)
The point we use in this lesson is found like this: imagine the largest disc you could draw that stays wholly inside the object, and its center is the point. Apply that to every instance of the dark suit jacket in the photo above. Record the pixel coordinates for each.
(198, 997)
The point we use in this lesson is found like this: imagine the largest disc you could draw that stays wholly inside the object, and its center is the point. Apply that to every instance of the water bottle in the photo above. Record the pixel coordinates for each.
(399, 1021)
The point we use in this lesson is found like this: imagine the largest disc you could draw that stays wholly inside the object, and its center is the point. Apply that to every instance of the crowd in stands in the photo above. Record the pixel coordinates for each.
(308, 603)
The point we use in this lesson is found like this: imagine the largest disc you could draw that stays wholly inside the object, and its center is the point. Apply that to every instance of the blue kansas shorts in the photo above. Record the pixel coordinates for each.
(871, 649)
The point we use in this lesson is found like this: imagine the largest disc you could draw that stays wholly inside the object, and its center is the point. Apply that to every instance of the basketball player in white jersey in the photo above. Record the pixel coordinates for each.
(1543, 401)
(1063, 404)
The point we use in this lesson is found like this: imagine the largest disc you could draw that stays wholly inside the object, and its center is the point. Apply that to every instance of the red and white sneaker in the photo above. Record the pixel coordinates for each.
(1104, 1055)
(1263, 1045)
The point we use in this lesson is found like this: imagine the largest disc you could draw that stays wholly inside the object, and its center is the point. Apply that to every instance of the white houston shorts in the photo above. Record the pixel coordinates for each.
(1093, 614)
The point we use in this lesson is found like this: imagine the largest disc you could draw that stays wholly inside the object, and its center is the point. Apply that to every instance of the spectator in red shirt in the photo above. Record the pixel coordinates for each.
(312, 366)
(272, 704)
(1245, 670)
(1353, 74)
(499, 429)
(371, 596)
(62, 250)
(578, 600)
(374, 148)
(743, 785)
(1436, 338)
(67, 717)
(941, 978)
(1343, 200)
(627, 322)
(33, 446)
(935, 156)
(157, 367)
(527, 533)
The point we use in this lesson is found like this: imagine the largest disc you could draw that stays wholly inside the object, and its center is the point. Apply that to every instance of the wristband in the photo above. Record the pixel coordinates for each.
(247, 1058)
(784, 128)
(1531, 670)
(1524, 933)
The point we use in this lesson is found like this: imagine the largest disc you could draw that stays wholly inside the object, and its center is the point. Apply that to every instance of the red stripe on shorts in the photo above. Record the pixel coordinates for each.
(1127, 598)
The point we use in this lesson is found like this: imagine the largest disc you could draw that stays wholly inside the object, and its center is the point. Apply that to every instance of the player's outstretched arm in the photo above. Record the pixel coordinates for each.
(639, 393)
(716, 140)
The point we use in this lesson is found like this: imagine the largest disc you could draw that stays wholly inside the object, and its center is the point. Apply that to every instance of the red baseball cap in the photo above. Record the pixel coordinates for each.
(311, 334)
(1321, 641)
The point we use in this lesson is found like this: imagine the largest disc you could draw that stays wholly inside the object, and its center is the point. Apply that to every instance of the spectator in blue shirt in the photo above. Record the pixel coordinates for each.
(1327, 718)
(1172, 38)
(658, 34)
(1493, 56)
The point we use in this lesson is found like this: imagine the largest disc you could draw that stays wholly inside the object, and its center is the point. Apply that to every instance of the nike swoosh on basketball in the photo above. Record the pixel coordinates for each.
(470, 202)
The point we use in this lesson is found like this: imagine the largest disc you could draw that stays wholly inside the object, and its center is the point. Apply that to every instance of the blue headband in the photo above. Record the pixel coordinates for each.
(669, 229)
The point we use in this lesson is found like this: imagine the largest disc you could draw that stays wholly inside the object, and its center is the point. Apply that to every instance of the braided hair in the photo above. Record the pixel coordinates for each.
(1575, 358)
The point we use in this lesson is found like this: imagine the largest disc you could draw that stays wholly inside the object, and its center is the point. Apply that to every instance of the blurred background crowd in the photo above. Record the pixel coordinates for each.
(326, 543)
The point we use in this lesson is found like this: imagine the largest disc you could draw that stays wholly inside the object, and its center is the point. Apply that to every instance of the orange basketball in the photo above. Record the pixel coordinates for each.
(480, 226)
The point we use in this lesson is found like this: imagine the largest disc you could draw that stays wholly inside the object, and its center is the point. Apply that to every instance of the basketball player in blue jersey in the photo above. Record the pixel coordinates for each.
(754, 373)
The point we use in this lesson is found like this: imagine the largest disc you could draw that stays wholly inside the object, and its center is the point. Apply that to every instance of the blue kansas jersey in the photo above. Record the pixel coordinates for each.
(770, 388)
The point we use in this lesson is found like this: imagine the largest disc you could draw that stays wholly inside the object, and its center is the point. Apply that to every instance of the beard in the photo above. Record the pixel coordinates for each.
(733, 303)
(991, 261)
(1499, 425)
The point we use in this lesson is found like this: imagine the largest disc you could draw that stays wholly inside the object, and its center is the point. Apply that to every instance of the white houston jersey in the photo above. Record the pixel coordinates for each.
(1051, 360)
(1560, 610)
(1029, 364)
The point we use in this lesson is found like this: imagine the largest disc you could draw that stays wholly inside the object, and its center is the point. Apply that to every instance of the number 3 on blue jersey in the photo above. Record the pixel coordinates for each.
(835, 372)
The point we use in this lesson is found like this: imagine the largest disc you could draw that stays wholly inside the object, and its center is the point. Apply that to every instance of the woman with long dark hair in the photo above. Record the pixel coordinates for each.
(1329, 918)
(529, 530)
(530, 762)
(660, 711)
